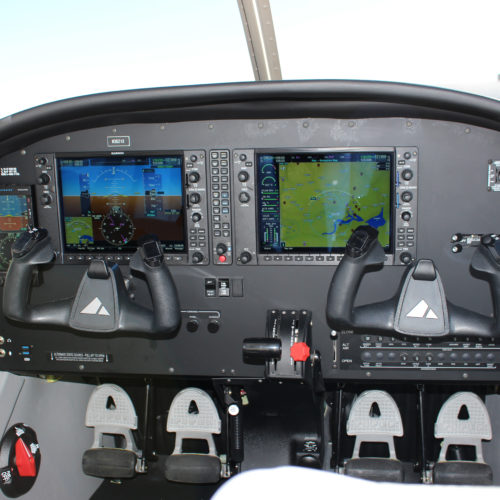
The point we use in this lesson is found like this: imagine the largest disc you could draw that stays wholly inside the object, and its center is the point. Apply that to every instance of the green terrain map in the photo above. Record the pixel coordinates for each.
(322, 203)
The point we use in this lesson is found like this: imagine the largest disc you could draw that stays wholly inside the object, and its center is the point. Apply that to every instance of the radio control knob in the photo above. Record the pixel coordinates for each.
(196, 217)
(245, 257)
(193, 177)
(407, 196)
(197, 257)
(43, 179)
(193, 158)
(45, 199)
(405, 258)
(244, 197)
(406, 216)
(221, 249)
(194, 198)
(41, 160)
(243, 176)
(407, 174)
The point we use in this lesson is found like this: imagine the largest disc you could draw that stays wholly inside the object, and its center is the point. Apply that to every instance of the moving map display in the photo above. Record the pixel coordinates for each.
(109, 203)
(16, 215)
(312, 202)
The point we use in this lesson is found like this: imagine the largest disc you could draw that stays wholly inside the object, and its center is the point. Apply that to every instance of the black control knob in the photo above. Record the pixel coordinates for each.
(43, 179)
(457, 248)
(407, 155)
(243, 176)
(197, 258)
(406, 216)
(407, 196)
(196, 217)
(192, 325)
(243, 157)
(45, 199)
(193, 177)
(213, 326)
(456, 237)
(407, 174)
(194, 198)
(42, 160)
(221, 249)
(405, 258)
(245, 257)
(193, 158)
(244, 197)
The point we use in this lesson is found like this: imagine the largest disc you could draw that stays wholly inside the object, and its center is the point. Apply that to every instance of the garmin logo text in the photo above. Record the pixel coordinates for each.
(118, 140)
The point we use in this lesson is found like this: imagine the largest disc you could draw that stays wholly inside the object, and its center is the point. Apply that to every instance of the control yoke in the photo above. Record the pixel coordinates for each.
(420, 307)
(102, 303)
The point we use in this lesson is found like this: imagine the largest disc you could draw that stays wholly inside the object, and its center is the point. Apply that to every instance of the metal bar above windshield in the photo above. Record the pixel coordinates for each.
(261, 39)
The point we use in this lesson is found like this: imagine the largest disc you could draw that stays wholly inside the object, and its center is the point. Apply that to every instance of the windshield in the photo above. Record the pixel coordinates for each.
(58, 49)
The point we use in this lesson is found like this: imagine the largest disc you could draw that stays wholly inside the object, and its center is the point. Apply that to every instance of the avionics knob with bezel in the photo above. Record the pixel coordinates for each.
(195, 198)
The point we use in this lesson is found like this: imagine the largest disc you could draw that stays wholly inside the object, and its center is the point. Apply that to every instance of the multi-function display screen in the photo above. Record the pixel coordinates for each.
(109, 203)
(312, 202)
(16, 215)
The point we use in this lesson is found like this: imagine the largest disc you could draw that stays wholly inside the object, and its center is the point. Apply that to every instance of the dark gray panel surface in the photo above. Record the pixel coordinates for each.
(452, 195)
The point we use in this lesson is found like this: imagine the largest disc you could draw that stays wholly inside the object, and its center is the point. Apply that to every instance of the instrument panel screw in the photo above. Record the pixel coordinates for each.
(68, 138)
(351, 124)
(261, 125)
(409, 124)
(23, 152)
(465, 375)
(305, 124)
(171, 370)
(467, 130)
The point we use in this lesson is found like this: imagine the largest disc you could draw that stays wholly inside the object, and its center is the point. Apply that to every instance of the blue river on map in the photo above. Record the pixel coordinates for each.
(375, 222)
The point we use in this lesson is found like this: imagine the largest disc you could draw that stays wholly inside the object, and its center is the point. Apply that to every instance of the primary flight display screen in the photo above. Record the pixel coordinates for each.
(16, 215)
(108, 203)
(312, 202)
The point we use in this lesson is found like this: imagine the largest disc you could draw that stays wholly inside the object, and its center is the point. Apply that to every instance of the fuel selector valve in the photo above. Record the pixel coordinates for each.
(102, 302)
(420, 308)
(286, 350)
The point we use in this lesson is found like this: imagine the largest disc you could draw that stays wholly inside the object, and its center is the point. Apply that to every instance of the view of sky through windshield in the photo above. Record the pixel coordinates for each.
(57, 49)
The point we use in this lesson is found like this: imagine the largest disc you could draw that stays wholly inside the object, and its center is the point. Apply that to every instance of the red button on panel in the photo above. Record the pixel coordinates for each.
(25, 462)
(222, 258)
(300, 351)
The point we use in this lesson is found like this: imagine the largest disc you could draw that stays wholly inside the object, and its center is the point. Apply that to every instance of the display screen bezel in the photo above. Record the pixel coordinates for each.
(388, 249)
(126, 249)
(19, 190)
